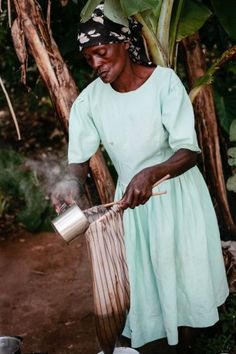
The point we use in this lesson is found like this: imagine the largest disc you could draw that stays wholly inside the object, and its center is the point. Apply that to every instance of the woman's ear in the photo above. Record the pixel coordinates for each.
(126, 45)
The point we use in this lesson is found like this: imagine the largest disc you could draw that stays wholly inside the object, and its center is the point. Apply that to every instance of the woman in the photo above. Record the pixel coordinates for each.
(143, 116)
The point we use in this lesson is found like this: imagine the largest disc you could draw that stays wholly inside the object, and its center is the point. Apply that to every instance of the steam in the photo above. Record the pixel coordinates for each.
(49, 170)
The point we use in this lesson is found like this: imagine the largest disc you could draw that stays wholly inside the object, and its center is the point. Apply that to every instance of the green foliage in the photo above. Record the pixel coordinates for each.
(221, 108)
(132, 7)
(193, 16)
(218, 63)
(225, 12)
(225, 101)
(220, 34)
(114, 11)
(232, 132)
(222, 74)
(118, 10)
(216, 345)
(19, 187)
(231, 183)
(226, 107)
(187, 18)
(174, 27)
(228, 316)
(223, 339)
(88, 9)
(232, 156)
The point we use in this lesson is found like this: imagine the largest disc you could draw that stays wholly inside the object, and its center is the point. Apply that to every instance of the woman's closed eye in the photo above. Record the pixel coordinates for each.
(101, 53)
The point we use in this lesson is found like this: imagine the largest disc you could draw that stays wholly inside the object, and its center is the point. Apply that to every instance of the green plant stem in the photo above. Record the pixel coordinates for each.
(173, 45)
(156, 50)
(163, 28)
(173, 62)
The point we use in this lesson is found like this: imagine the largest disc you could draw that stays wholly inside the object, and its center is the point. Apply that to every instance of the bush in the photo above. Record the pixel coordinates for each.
(20, 193)
(223, 338)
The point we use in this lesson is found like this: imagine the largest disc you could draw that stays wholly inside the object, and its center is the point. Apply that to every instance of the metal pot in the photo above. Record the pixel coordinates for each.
(123, 350)
(9, 345)
(70, 223)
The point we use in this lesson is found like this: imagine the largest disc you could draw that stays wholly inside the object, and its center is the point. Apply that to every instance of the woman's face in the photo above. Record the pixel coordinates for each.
(108, 60)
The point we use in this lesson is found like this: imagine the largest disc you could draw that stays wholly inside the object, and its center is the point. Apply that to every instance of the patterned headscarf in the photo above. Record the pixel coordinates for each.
(100, 30)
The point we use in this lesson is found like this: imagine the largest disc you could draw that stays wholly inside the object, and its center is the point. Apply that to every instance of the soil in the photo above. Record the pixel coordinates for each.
(46, 296)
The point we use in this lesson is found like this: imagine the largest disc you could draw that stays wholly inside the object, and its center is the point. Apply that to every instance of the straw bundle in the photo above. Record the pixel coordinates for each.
(105, 240)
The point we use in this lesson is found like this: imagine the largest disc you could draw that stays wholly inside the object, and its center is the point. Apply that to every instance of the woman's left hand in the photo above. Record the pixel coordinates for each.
(138, 191)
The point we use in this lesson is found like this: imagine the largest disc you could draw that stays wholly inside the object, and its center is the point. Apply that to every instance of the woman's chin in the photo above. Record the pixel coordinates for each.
(105, 79)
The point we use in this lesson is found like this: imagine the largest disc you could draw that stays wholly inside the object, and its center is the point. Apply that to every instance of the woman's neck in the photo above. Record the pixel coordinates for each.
(132, 77)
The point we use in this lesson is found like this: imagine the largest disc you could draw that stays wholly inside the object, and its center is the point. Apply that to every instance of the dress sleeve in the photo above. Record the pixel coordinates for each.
(178, 116)
(84, 139)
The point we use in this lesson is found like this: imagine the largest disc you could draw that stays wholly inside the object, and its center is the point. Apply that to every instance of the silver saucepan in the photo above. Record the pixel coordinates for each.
(70, 223)
(9, 345)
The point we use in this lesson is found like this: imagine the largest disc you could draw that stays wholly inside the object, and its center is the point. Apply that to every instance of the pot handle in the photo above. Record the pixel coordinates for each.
(63, 208)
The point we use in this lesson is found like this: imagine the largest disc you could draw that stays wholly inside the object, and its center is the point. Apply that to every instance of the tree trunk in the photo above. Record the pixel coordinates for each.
(58, 80)
(207, 129)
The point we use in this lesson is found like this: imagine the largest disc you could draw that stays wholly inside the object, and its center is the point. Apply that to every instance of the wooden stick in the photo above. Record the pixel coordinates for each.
(153, 194)
(158, 193)
(161, 180)
(111, 204)
(118, 201)
(11, 109)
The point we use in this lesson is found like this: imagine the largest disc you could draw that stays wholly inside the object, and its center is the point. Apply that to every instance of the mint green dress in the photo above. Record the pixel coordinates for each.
(173, 249)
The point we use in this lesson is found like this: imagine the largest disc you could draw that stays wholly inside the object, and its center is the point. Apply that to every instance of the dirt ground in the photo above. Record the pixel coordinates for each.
(46, 296)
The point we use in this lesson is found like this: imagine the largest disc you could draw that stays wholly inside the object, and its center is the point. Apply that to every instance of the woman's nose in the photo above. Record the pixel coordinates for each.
(95, 63)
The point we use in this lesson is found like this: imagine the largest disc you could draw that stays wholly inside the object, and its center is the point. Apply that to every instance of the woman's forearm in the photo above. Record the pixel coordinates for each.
(140, 187)
(177, 164)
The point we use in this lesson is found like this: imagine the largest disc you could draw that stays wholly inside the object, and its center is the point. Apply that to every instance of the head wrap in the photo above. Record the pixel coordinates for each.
(100, 30)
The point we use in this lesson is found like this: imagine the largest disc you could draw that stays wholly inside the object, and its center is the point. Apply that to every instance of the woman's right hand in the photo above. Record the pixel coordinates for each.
(67, 191)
